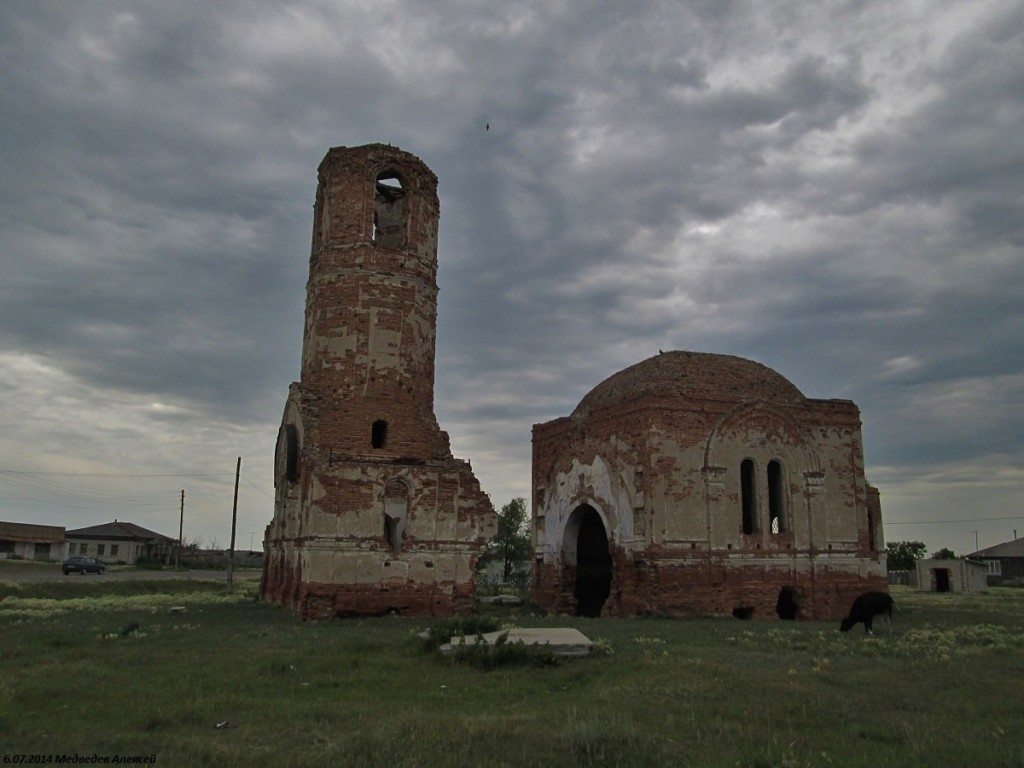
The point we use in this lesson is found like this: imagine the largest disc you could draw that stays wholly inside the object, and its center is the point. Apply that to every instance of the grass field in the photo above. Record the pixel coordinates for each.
(103, 668)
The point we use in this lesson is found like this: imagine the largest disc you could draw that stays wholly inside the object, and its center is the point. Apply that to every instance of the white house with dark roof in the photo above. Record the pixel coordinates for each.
(119, 542)
(1003, 562)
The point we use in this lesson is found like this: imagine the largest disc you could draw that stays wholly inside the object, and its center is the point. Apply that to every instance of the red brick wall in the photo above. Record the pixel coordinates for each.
(661, 465)
(713, 587)
(368, 357)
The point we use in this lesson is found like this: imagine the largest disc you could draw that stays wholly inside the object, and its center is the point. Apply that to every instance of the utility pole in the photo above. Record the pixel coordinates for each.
(976, 547)
(234, 520)
(181, 527)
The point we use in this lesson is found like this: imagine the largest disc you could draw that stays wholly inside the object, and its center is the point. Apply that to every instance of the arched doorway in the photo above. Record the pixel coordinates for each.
(586, 534)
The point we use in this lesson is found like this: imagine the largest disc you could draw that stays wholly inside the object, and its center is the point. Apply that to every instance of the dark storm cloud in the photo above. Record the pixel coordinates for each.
(831, 190)
(145, 227)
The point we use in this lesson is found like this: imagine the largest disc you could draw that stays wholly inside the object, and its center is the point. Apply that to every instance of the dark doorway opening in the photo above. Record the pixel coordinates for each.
(942, 580)
(593, 565)
(786, 606)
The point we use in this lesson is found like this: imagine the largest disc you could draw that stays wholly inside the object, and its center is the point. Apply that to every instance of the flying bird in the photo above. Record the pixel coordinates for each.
(487, 126)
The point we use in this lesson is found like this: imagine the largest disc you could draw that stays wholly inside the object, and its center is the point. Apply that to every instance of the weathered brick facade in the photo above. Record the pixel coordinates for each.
(704, 484)
(373, 514)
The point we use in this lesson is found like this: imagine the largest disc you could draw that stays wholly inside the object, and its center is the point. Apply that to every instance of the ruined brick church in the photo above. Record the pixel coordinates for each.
(689, 483)
(372, 513)
(694, 483)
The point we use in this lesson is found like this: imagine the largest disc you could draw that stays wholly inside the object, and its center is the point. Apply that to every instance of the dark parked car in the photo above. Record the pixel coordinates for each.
(83, 565)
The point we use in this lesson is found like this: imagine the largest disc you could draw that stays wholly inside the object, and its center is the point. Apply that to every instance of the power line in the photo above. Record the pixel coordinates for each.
(936, 522)
(250, 482)
(115, 474)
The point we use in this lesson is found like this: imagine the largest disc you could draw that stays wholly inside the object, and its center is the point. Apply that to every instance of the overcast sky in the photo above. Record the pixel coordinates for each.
(833, 189)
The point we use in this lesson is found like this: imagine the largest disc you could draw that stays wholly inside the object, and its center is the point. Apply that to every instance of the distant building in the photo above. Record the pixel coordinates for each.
(31, 542)
(119, 542)
(1003, 562)
(960, 575)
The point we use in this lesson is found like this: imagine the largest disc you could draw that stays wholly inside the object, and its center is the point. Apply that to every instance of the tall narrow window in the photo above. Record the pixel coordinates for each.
(389, 214)
(776, 497)
(396, 513)
(286, 455)
(379, 434)
(748, 494)
(321, 225)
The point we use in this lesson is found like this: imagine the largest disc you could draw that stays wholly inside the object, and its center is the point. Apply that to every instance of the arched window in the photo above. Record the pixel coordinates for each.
(396, 513)
(748, 495)
(286, 455)
(379, 434)
(776, 497)
(321, 225)
(389, 214)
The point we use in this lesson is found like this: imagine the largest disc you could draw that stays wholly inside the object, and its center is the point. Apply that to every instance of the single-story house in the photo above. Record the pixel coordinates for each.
(1003, 562)
(959, 575)
(31, 542)
(119, 542)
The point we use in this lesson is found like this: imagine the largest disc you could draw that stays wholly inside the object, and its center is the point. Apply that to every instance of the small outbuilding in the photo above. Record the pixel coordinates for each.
(960, 575)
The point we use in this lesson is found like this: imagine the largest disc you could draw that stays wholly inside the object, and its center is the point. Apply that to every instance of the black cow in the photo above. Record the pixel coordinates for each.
(866, 607)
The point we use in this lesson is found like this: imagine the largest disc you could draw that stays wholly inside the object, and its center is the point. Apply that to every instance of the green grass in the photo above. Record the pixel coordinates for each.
(944, 689)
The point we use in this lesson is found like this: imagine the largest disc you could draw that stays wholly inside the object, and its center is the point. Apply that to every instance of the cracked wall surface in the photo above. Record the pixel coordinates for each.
(372, 513)
(657, 450)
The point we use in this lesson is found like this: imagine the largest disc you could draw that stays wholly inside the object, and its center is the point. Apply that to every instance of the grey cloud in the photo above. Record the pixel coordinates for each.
(159, 167)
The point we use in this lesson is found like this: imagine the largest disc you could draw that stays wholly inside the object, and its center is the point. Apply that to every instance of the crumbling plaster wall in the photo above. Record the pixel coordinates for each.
(596, 484)
(373, 514)
(664, 476)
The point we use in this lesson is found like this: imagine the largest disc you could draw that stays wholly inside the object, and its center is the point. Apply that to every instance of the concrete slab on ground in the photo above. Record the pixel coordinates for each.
(501, 600)
(563, 641)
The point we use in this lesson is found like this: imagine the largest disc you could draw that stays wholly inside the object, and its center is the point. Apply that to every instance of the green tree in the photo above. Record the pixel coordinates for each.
(512, 542)
(902, 555)
(945, 554)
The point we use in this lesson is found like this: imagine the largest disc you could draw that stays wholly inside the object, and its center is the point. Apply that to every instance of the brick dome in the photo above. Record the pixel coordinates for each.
(691, 375)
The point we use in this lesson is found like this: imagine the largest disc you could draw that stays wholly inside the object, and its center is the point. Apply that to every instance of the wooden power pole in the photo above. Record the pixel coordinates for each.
(181, 527)
(234, 521)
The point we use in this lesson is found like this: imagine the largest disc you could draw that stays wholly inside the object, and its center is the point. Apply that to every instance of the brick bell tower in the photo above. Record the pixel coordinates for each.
(372, 513)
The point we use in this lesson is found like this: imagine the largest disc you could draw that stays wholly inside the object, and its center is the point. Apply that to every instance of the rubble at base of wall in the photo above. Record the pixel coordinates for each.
(685, 591)
(316, 602)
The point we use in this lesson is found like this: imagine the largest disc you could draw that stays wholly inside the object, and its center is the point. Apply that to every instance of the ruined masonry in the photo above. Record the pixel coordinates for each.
(689, 483)
(372, 513)
(695, 483)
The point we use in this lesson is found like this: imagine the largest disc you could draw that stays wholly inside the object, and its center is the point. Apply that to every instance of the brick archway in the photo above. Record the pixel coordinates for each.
(586, 551)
